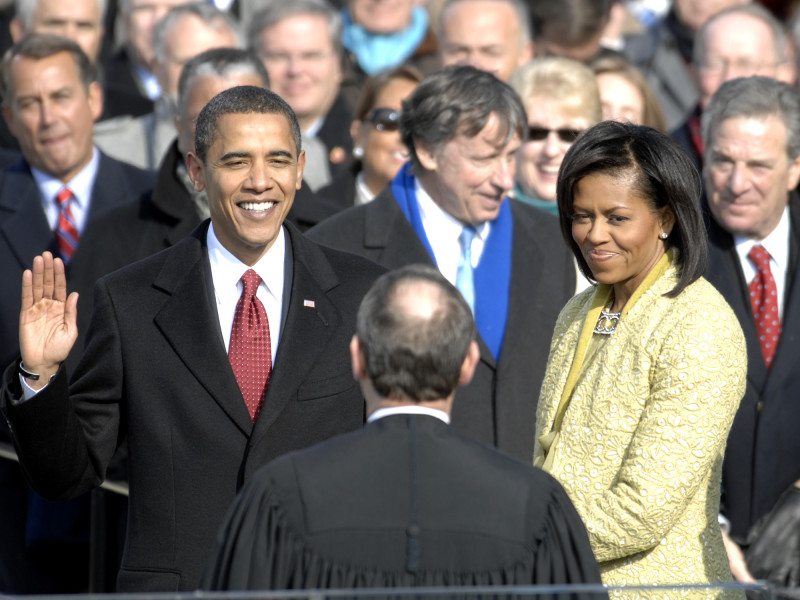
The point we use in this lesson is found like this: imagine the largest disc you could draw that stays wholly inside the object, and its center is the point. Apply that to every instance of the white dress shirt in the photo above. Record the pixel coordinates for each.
(443, 231)
(227, 271)
(80, 186)
(409, 410)
(777, 244)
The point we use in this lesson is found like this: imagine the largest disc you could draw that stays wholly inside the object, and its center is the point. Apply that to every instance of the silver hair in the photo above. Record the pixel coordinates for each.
(520, 8)
(755, 97)
(778, 32)
(273, 11)
(24, 10)
(219, 62)
(206, 12)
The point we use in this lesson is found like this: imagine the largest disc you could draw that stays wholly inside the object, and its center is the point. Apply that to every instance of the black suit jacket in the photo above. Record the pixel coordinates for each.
(155, 371)
(25, 232)
(761, 458)
(405, 502)
(499, 406)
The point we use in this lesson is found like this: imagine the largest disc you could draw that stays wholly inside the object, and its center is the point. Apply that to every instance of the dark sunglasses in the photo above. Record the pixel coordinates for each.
(385, 119)
(537, 134)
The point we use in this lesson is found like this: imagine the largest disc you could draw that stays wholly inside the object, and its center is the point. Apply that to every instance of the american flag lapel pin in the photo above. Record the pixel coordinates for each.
(309, 304)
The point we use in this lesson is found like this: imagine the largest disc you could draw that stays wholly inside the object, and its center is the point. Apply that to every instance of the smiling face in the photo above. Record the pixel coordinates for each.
(485, 35)
(749, 175)
(618, 232)
(539, 160)
(51, 113)
(303, 65)
(469, 177)
(384, 152)
(251, 174)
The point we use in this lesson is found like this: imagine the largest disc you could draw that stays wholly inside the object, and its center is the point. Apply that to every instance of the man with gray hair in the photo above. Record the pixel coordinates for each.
(300, 44)
(449, 207)
(739, 41)
(185, 31)
(393, 505)
(491, 35)
(751, 129)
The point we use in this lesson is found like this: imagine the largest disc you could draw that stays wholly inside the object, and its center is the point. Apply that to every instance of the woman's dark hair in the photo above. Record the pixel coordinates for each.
(660, 172)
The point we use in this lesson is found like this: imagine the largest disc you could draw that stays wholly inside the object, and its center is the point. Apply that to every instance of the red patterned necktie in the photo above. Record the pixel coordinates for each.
(764, 298)
(250, 350)
(66, 231)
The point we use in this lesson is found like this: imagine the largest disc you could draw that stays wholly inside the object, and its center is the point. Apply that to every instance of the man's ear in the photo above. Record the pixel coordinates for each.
(17, 29)
(301, 165)
(426, 156)
(196, 171)
(96, 99)
(469, 364)
(357, 359)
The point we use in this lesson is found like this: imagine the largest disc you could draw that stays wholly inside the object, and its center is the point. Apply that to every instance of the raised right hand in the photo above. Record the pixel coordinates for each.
(48, 318)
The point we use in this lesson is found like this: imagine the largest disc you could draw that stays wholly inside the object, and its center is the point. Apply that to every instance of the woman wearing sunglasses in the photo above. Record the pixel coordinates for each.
(561, 98)
(378, 151)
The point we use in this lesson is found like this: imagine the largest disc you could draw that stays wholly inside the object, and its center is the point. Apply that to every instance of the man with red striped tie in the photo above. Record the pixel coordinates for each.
(49, 200)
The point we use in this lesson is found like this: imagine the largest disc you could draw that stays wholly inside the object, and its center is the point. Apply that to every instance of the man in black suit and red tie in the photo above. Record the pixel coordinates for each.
(751, 129)
(174, 342)
(407, 501)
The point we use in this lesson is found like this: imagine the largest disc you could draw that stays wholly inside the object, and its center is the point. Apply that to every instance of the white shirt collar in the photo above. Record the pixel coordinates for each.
(227, 270)
(80, 185)
(776, 243)
(409, 410)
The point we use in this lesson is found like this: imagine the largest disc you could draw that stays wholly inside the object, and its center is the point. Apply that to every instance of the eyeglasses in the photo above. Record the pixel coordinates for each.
(385, 119)
(566, 135)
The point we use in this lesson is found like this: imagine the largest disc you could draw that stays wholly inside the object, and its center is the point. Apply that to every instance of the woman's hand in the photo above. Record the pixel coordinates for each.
(736, 559)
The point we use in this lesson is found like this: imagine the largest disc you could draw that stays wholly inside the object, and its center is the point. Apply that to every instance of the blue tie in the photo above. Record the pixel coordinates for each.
(465, 281)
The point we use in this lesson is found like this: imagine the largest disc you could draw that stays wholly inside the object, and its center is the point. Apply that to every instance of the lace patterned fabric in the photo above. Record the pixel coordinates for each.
(641, 442)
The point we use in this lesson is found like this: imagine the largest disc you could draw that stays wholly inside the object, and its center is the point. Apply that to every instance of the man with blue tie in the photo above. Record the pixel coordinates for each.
(51, 199)
(448, 207)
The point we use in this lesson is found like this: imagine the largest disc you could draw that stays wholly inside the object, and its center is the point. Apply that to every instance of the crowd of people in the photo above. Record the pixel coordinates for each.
(496, 231)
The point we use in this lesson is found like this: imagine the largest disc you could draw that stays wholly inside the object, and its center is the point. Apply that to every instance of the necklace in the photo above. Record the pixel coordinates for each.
(607, 322)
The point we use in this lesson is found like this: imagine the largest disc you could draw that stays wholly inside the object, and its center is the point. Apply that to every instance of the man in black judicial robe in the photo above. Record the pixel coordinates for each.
(406, 501)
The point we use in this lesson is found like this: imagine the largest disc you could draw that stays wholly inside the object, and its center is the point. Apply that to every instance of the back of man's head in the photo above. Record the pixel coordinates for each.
(415, 330)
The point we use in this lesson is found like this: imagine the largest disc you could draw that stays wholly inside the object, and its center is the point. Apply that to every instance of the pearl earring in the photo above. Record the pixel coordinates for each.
(664, 235)
(358, 152)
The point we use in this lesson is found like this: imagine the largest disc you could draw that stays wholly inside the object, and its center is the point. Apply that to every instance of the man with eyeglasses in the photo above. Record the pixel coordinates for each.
(738, 42)
(448, 207)
(300, 45)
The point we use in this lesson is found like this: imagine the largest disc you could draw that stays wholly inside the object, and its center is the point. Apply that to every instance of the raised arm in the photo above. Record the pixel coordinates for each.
(47, 319)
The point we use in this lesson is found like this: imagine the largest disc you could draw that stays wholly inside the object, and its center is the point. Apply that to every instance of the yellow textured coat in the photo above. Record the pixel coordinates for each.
(641, 442)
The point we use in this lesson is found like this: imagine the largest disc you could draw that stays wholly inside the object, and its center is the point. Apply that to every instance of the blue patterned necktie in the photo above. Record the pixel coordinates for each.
(465, 281)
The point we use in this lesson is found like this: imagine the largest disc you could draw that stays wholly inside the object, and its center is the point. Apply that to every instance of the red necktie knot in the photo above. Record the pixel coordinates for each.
(250, 281)
(764, 300)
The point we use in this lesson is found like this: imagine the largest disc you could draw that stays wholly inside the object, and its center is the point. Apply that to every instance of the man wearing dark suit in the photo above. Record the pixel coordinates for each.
(174, 208)
(463, 127)
(406, 501)
(752, 168)
(50, 103)
(209, 359)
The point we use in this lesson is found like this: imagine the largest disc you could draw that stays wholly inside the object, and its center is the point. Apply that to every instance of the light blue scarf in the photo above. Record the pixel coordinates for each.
(378, 52)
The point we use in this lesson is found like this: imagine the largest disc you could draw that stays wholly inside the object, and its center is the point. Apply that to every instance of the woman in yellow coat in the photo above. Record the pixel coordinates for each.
(646, 368)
